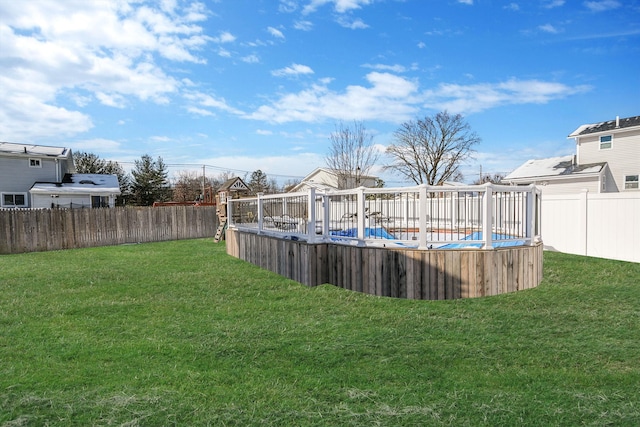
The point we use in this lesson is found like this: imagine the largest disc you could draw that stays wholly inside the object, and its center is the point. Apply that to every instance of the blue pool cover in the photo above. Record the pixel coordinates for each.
(377, 232)
(498, 241)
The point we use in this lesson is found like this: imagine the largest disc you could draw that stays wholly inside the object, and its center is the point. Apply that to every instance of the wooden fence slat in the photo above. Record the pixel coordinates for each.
(55, 229)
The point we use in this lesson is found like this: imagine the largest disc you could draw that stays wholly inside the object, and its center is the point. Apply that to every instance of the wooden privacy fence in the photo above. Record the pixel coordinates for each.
(393, 272)
(53, 229)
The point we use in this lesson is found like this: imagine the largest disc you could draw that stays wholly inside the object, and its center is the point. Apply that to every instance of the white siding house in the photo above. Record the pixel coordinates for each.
(326, 179)
(607, 160)
(616, 142)
(591, 200)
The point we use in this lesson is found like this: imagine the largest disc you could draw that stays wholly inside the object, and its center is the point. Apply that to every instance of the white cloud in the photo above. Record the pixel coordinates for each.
(512, 6)
(250, 59)
(96, 144)
(553, 3)
(111, 100)
(479, 97)
(200, 111)
(396, 68)
(288, 6)
(104, 51)
(340, 6)
(548, 28)
(275, 32)
(469, 2)
(303, 25)
(159, 138)
(225, 37)
(601, 6)
(393, 99)
(353, 24)
(206, 100)
(293, 70)
(387, 98)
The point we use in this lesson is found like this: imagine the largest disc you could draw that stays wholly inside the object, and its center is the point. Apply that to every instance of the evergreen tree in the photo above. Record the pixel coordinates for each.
(150, 183)
(259, 182)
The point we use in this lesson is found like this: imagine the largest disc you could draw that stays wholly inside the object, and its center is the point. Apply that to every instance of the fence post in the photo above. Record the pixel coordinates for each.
(454, 210)
(531, 226)
(487, 216)
(361, 214)
(260, 214)
(422, 220)
(326, 212)
(229, 208)
(311, 207)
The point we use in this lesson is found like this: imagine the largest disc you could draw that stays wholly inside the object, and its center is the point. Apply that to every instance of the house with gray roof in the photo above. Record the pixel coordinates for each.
(607, 160)
(37, 176)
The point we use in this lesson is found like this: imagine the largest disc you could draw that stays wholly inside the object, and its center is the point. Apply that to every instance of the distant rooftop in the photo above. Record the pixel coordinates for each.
(553, 167)
(606, 126)
(80, 183)
(33, 150)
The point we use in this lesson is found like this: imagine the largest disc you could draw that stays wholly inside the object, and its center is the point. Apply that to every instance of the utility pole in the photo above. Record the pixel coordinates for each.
(203, 178)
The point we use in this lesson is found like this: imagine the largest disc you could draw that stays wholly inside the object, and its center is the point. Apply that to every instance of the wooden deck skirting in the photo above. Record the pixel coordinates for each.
(401, 273)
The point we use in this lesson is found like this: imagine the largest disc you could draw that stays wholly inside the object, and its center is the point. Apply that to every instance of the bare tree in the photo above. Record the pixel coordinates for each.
(352, 154)
(290, 184)
(187, 186)
(496, 178)
(430, 150)
(219, 179)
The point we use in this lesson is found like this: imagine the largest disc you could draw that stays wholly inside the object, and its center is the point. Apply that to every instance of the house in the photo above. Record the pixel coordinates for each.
(78, 190)
(607, 160)
(37, 176)
(21, 165)
(325, 179)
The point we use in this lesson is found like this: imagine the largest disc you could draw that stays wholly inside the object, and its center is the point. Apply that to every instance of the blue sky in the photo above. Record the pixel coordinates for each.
(242, 85)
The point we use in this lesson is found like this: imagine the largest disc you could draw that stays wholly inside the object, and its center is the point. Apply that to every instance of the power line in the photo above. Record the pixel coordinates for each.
(222, 169)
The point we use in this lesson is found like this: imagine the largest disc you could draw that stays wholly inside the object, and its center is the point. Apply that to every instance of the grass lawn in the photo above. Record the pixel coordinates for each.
(179, 333)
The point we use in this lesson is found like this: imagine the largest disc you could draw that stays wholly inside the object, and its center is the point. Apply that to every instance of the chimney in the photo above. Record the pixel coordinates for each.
(617, 122)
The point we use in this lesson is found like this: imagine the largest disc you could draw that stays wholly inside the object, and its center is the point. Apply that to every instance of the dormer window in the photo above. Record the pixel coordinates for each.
(35, 163)
(605, 142)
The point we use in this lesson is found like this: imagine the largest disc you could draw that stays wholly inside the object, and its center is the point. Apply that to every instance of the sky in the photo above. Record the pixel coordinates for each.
(241, 85)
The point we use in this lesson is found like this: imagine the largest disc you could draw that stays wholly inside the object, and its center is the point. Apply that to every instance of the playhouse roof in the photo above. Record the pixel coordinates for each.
(234, 184)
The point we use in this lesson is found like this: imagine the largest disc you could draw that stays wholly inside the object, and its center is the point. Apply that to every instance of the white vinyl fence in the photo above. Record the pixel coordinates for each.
(598, 225)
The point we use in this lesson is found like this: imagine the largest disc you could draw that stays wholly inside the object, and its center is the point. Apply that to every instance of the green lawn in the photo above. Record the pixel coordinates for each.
(179, 333)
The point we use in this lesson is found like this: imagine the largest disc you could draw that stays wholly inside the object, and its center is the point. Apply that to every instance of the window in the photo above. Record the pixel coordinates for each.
(631, 182)
(99, 201)
(14, 200)
(605, 142)
(35, 163)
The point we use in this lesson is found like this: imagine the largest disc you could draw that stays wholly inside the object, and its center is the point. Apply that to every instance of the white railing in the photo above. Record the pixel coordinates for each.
(481, 216)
